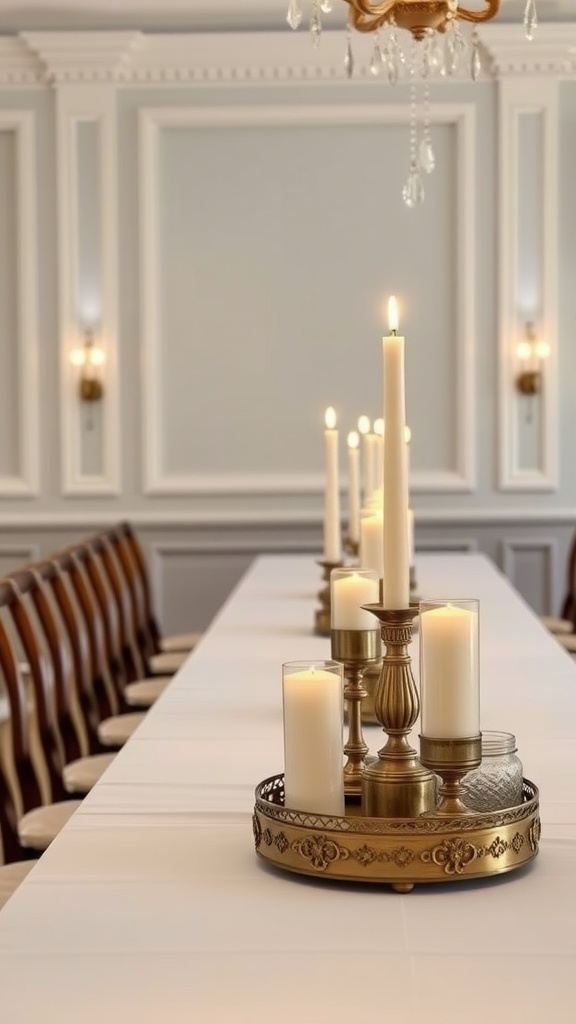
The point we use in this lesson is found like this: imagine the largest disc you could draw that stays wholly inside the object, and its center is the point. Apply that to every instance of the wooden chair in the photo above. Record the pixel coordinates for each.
(80, 769)
(40, 823)
(12, 871)
(114, 597)
(163, 655)
(86, 632)
(564, 627)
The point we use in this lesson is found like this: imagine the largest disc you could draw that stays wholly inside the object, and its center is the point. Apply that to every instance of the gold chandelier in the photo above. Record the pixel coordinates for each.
(417, 16)
(436, 46)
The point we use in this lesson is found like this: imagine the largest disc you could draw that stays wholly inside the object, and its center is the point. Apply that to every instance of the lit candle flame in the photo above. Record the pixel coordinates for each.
(364, 424)
(407, 435)
(392, 315)
(330, 418)
(379, 426)
(353, 439)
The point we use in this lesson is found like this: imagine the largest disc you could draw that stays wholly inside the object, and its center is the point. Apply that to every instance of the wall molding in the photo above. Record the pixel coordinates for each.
(519, 97)
(128, 58)
(20, 522)
(152, 121)
(75, 106)
(550, 548)
(25, 484)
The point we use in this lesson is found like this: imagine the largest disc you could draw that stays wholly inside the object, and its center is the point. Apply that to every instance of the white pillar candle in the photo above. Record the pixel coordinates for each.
(332, 542)
(353, 486)
(396, 568)
(379, 455)
(350, 590)
(449, 676)
(313, 744)
(371, 542)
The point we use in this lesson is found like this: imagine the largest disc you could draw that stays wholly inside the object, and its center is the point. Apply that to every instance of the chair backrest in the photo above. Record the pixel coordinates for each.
(25, 773)
(134, 661)
(42, 678)
(85, 562)
(30, 581)
(569, 606)
(100, 684)
(141, 626)
(131, 538)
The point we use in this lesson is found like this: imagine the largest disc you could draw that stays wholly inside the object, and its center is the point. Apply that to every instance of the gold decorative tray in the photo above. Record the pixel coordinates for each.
(399, 851)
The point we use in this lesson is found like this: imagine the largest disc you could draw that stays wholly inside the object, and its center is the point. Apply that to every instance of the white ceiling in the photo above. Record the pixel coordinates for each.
(200, 15)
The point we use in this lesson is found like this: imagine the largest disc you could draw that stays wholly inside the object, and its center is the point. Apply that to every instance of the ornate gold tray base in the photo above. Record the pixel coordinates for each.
(399, 851)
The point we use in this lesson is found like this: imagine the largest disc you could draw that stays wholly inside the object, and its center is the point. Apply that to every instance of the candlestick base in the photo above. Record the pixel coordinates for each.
(452, 759)
(322, 615)
(356, 649)
(397, 784)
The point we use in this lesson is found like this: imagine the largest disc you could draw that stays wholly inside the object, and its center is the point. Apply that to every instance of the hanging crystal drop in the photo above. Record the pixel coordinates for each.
(435, 54)
(294, 16)
(326, 6)
(451, 55)
(316, 25)
(413, 191)
(348, 55)
(475, 61)
(377, 57)
(426, 157)
(530, 19)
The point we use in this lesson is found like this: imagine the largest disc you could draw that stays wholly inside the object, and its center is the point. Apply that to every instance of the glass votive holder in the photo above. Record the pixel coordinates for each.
(449, 668)
(313, 698)
(350, 589)
(497, 783)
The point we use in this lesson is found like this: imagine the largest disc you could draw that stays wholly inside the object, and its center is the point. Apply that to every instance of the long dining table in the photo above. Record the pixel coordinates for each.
(152, 906)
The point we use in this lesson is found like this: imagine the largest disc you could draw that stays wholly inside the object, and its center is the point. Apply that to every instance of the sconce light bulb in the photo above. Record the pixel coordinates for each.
(524, 350)
(77, 357)
(96, 356)
(542, 349)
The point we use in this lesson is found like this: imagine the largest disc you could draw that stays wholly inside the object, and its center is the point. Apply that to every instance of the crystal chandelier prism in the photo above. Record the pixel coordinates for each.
(436, 45)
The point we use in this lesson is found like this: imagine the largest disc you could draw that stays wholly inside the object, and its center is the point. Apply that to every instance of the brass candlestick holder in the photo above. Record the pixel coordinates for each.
(452, 759)
(356, 649)
(397, 784)
(322, 615)
(351, 547)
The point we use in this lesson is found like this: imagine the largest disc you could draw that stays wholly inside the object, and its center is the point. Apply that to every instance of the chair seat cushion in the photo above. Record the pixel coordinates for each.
(11, 875)
(556, 625)
(79, 776)
(180, 641)
(39, 827)
(114, 731)
(568, 642)
(143, 692)
(167, 662)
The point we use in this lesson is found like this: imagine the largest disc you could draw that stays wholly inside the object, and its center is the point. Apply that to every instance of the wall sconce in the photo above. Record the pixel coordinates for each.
(88, 359)
(531, 353)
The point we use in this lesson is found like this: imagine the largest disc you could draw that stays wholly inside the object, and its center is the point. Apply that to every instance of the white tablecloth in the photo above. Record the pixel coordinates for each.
(152, 906)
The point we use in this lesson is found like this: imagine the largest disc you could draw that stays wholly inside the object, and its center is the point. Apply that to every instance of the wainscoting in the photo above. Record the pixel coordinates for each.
(195, 566)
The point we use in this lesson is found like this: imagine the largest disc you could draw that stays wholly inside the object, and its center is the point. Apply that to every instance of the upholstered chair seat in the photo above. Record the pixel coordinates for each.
(38, 827)
(10, 877)
(166, 662)
(143, 692)
(114, 731)
(179, 642)
(79, 776)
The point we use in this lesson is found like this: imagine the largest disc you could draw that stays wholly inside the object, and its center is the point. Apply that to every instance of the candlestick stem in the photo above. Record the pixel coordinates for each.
(322, 617)
(356, 649)
(452, 759)
(397, 784)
